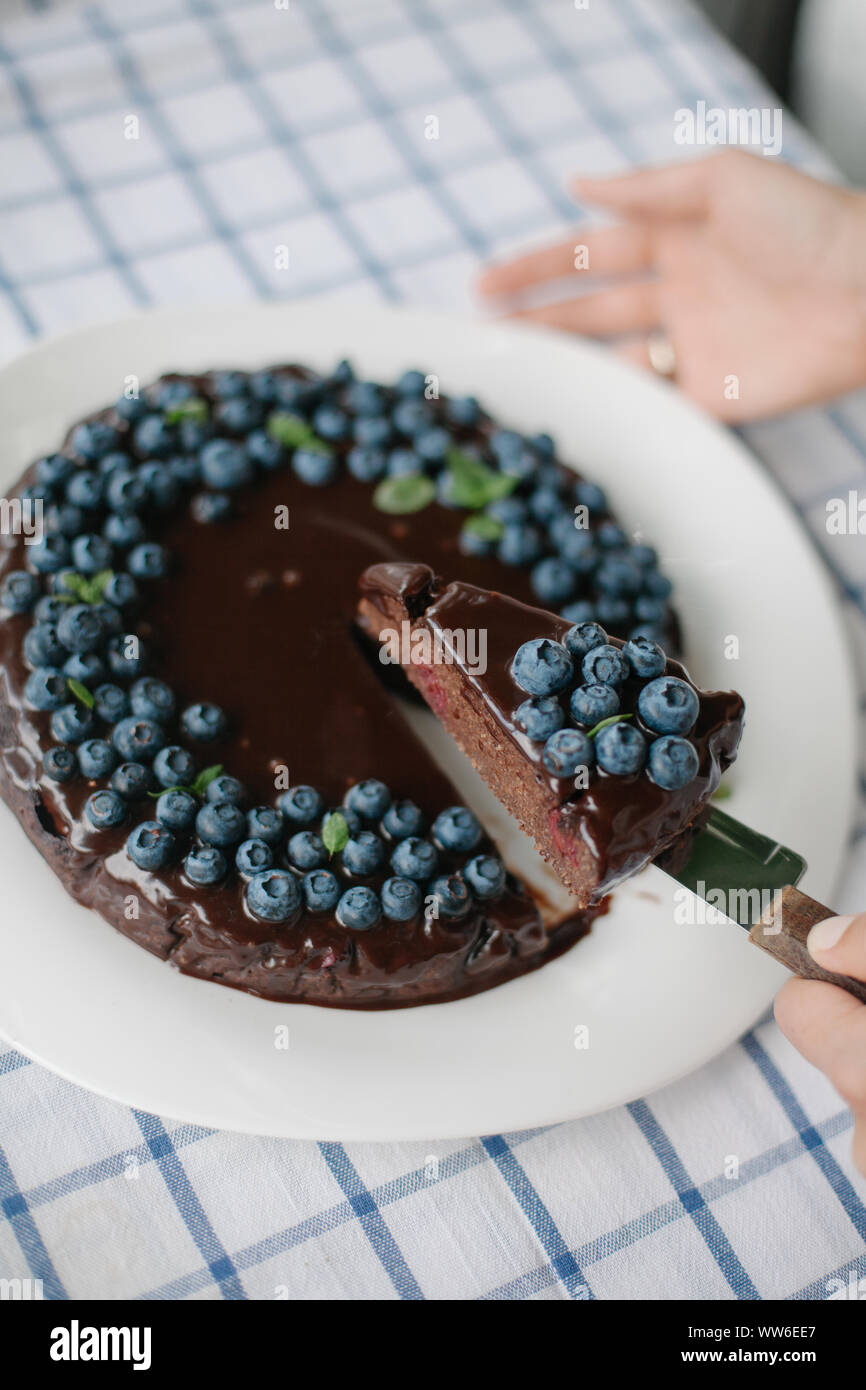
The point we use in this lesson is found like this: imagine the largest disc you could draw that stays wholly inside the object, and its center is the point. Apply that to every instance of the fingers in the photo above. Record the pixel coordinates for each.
(598, 251)
(608, 313)
(839, 944)
(828, 1026)
(673, 190)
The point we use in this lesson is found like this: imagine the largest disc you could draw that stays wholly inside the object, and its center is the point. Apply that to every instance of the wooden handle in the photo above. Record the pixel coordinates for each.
(782, 932)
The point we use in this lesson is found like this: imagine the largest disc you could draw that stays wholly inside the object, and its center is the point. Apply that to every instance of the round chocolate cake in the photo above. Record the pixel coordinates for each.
(195, 733)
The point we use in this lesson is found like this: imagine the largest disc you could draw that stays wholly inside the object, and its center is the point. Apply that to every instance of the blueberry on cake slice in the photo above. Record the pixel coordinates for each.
(604, 751)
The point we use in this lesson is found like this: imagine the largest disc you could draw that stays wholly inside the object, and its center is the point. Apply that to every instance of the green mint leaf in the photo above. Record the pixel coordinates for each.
(80, 692)
(399, 496)
(164, 791)
(75, 584)
(723, 792)
(335, 832)
(486, 528)
(193, 409)
(85, 588)
(204, 779)
(603, 723)
(473, 483)
(288, 429)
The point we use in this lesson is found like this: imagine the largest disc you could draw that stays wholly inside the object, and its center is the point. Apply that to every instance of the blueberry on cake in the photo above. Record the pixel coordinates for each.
(191, 730)
(603, 750)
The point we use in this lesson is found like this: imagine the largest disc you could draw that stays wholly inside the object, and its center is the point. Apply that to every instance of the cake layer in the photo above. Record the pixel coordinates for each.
(594, 827)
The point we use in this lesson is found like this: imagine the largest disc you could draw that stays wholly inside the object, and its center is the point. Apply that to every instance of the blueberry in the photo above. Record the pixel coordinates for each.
(113, 461)
(132, 781)
(85, 667)
(152, 699)
(151, 845)
(204, 865)
(363, 853)
(612, 612)
(225, 788)
(566, 751)
(96, 758)
(619, 576)
(401, 899)
(293, 393)
(583, 611)
(169, 394)
(240, 416)
(506, 443)
(138, 740)
(456, 829)
(473, 541)
(540, 717)
(463, 410)
(265, 451)
(321, 891)
(264, 823)
(49, 609)
(411, 383)
(657, 585)
(605, 665)
(552, 580)
(446, 490)
(121, 591)
(185, 468)
(673, 762)
(352, 819)
(583, 638)
(372, 431)
(306, 850)
(404, 462)
(432, 444)
(591, 703)
(611, 536)
(522, 465)
(485, 875)
(520, 544)
(110, 702)
(543, 445)
(508, 510)
(90, 554)
(645, 658)
(43, 647)
(126, 656)
(105, 809)
(263, 385)
(620, 748)
(177, 809)
(370, 799)
(451, 894)
(154, 437)
(274, 895)
(578, 552)
(359, 908)
(415, 858)
(123, 529)
(651, 631)
(402, 819)
(410, 417)
(204, 722)
(46, 688)
(80, 629)
(644, 555)
(130, 407)
(225, 465)
(94, 440)
(590, 495)
(125, 491)
(301, 806)
(60, 764)
(229, 385)
(545, 504)
(65, 519)
(251, 856)
(365, 464)
(316, 467)
(161, 485)
(54, 470)
(72, 723)
(148, 561)
(668, 705)
(210, 507)
(650, 610)
(542, 667)
(49, 555)
(330, 423)
(220, 823)
(19, 592)
(173, 766)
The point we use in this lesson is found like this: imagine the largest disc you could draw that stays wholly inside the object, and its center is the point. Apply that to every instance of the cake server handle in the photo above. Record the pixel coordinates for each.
(782, 930)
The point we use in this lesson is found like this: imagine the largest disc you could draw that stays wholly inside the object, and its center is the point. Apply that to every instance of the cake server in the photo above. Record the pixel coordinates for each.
(730, 859)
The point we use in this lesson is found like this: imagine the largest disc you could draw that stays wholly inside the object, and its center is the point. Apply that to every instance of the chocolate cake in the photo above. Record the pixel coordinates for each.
(192, 731)
(604, 751)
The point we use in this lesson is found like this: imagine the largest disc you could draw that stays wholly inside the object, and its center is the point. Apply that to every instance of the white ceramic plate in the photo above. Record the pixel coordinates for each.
(657, 999)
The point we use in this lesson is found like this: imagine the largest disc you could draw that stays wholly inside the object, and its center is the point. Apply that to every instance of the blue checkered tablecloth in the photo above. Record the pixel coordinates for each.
(259, 125)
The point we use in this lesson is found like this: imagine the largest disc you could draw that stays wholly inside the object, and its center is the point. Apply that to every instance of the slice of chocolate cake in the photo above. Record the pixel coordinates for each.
(605, 752)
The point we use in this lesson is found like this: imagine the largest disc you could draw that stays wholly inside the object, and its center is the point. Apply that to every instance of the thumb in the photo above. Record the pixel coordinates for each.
(839, 944)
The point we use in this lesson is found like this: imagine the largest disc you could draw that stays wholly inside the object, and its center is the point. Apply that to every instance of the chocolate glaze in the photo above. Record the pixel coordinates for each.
(260, 621)
(624, 821)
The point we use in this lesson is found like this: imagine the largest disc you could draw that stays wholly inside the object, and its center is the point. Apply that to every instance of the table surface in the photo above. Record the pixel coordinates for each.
(259, 126)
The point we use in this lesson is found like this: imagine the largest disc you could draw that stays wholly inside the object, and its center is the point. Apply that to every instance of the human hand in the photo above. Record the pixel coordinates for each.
(827, 1024)
(754, 271)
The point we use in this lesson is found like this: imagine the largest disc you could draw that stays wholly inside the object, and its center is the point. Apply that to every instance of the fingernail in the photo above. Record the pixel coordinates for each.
(825, 935)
